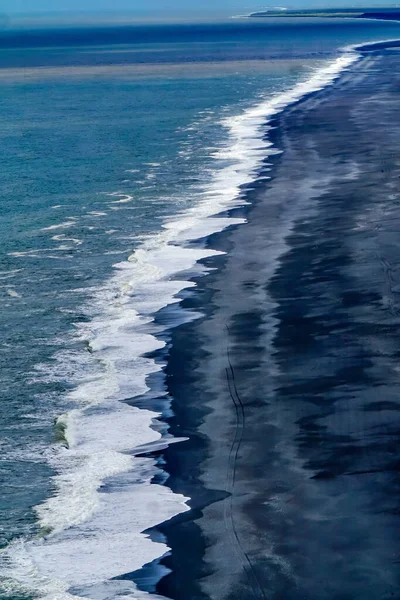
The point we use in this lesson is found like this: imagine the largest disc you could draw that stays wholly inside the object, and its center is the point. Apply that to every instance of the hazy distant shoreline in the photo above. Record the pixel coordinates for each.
(346, 13)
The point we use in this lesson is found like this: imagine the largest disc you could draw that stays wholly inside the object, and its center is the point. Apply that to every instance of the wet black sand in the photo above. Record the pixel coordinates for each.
(289, 386)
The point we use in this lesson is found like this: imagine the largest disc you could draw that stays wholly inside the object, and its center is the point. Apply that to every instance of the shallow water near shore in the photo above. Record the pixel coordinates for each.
(108, 177)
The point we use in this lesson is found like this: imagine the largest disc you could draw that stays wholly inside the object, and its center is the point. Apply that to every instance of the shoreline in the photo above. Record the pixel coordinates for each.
(383, 14)
(195, 257)
(195, 469)
(119, 454)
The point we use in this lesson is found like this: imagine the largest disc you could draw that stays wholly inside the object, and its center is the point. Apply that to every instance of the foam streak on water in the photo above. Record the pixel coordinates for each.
(95, 534)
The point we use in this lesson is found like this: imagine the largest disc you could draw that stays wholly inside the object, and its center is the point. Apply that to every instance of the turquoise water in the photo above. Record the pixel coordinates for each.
(106, 136)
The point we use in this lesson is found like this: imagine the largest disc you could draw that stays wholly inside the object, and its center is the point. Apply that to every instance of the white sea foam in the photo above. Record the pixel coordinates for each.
(64, 225)
(114, 252)
(63, 238)
(41, 252)
(9, 274)
(97, 534)
(33, 253)
(122, 198)
(13, 293)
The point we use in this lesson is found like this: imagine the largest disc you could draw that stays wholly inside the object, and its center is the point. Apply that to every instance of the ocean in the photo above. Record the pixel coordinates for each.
(121, 148)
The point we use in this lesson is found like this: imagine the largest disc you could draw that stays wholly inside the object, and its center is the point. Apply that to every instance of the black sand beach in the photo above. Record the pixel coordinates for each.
(288, 387)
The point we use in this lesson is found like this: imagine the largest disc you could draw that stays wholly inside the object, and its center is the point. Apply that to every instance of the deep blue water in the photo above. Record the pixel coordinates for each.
(106, 135)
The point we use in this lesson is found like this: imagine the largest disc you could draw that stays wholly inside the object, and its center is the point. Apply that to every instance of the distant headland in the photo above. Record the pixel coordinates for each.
(389, 14)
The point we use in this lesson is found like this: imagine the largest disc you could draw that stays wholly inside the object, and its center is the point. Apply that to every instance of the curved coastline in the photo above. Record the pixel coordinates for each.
(155, 271)
(256, 135)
